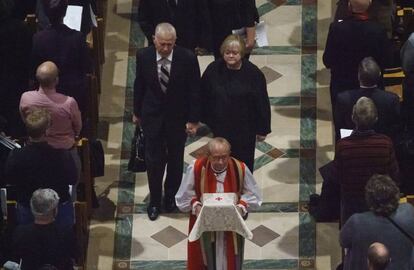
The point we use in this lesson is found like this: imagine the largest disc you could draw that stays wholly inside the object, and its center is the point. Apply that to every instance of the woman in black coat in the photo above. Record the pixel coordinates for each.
(235, 101)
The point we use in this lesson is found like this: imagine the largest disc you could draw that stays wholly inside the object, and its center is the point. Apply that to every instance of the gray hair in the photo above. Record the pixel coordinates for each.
(368, 72)
(44, 201)
(218, 142)
(165, 29)
(364, 113)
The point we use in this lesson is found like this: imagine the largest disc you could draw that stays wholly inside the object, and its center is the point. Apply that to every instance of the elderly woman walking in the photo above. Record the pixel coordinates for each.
(235, 101)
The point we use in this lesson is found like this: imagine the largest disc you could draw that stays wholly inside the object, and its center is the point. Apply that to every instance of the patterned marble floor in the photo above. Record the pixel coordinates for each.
(285, 236)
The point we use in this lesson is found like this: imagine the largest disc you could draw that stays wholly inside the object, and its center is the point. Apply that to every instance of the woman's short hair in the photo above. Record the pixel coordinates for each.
(233, 40)
(37, 121)
(382, 195)
(43, 202)
(55, 10)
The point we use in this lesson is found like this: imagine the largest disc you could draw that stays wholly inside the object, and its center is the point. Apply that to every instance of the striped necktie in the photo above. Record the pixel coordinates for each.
(164, 75)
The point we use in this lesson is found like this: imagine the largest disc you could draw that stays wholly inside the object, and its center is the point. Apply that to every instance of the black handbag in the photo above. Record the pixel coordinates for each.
(137, 159)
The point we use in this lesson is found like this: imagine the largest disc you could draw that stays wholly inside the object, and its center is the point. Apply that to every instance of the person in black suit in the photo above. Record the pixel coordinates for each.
(387, 103)
(15, 46)
(228, 15)
(86, 21)
(67, 48)
(348, 42)
(189, 17)
(166, 97)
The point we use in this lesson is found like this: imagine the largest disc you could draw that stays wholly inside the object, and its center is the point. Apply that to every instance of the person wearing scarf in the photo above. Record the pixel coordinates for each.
(217, 173)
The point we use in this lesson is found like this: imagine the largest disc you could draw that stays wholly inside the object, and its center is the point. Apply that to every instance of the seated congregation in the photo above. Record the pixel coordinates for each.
(47, 89)
(372, 116)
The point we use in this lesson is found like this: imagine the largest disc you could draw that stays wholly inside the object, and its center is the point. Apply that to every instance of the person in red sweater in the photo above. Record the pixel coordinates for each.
(357, 157)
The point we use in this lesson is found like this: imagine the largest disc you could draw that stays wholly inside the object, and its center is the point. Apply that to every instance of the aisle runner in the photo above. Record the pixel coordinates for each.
(284, 233)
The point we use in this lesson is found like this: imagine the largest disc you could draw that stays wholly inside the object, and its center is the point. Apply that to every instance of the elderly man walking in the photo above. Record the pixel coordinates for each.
(166, 97)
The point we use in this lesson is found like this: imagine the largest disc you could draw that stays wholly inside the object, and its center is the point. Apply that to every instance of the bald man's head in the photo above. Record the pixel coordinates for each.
(47, 74)
(378, 256)
(359, 6)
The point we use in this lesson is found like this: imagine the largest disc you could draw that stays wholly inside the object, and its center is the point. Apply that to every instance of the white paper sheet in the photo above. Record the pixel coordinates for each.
(73, 18)
(345, 132)
(261, 35)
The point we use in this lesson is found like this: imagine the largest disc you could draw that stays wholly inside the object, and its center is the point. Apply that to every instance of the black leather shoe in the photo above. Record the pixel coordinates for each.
(153, 212)
(169, 205)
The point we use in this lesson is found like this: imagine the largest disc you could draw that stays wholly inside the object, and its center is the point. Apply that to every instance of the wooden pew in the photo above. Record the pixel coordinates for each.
(405, 19)
(95, 42)
(83, 204)
(82, 232)
(86, 181)
(93, 106)
(8, 209)
(393, 79)
(407, 199)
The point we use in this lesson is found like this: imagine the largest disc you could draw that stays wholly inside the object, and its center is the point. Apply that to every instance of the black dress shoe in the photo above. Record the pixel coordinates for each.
(153, 212)
(169, 205)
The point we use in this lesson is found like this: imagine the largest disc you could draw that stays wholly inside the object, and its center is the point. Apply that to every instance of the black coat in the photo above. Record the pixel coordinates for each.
(228, 15)
(38, 245)
(180, 104)
(38, 165)
(388, 107)
(15, 46)
(236, 106)
(191, 20)
(68, 50)
(348, 42)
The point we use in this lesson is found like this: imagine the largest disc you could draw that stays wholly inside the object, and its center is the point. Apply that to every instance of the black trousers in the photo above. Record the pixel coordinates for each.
(164, 148)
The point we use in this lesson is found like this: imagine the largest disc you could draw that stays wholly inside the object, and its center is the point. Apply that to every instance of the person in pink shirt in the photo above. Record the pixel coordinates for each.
(66, 122)
(66, 117)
